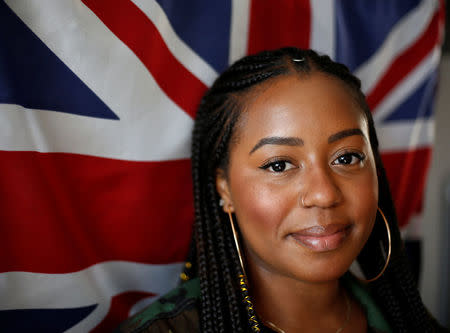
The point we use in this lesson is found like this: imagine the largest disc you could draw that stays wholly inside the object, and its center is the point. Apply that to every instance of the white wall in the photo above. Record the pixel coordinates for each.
(435, 257)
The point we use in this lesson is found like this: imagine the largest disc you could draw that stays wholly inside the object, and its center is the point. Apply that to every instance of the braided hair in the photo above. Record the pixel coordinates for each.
(214, 257)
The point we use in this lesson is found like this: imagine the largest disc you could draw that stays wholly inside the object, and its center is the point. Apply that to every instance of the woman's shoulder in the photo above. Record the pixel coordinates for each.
(174, 312)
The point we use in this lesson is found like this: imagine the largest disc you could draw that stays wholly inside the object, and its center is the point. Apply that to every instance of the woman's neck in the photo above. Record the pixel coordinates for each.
(292, 304)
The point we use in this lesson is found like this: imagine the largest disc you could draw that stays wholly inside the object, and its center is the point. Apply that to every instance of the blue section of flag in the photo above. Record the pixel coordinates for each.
(204, 25)
(362, 27)
(31, 75)
(419, 104)
(42, 320)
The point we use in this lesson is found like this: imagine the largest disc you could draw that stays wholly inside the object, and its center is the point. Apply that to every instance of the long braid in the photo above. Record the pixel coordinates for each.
(221, 307)
(199, 237)
(230, 295)
(213, 271)
(216, 258)
(211, 296)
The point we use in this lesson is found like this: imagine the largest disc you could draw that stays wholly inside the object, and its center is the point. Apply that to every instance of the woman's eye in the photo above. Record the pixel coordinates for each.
(349, 159)
(278, 166)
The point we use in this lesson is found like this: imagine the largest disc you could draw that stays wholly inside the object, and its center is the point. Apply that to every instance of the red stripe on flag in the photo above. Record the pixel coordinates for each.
(405, 63)
(274, 24)
(121, 305)
(61, 212)
(139, 33)
(407, 172)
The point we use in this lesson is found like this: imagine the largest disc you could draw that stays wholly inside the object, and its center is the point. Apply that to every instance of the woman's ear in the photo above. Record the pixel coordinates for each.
(224, 191)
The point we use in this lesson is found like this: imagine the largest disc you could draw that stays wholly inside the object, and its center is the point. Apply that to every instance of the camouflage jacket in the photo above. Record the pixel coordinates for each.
(177, 312)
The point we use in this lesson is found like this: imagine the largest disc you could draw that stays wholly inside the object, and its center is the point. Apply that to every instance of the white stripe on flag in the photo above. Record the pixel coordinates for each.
(396, 136)
(407, 86)
(151, 126)
(240, 20)
(153, 136)
(184, 54)
(94, 285)
(323, 27)
(403, 35)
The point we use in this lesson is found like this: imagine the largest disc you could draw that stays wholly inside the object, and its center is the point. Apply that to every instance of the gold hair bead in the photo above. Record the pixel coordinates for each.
(184, 277)
(188, 265)
(253, 320)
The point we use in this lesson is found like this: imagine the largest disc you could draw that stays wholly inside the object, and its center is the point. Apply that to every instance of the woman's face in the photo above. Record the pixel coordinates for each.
(302, 179)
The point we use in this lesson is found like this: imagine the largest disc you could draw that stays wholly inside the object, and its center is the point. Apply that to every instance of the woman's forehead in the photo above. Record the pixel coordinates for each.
(291, 103)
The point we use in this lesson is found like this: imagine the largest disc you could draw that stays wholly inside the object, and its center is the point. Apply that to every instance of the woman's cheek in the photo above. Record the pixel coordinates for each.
(260, 207)
(365, 201)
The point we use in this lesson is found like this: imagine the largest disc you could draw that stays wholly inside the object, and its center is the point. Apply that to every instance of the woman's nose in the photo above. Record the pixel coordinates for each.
(320, 190)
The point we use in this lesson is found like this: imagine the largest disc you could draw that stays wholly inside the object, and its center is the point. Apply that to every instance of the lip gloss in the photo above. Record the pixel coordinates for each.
(322, 239)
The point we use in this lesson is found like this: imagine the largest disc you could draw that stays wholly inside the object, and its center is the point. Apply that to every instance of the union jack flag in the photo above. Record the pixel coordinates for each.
(97, 99)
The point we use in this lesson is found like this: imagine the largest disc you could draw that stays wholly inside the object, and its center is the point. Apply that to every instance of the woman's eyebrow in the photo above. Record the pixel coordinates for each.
(294, 141)
(345, 133)
(277, 140)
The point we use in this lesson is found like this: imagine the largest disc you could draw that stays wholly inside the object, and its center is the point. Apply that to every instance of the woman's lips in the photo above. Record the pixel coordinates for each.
(322, 238)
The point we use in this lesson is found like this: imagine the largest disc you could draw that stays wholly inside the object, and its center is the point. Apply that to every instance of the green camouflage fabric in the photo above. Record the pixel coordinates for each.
(175, 312)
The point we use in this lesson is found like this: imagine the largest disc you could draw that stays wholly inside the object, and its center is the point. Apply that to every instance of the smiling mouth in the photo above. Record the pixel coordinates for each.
(322, 239)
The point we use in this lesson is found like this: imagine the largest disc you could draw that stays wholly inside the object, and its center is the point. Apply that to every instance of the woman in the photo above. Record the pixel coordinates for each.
(289, 190)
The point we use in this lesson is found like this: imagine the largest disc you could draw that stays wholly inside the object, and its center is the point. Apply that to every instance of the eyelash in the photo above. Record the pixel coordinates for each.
(360, 156)
(272, 163)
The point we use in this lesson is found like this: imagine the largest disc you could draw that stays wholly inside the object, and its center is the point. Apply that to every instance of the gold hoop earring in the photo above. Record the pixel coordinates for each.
(243, 281)
(236, 242)
(388, 257)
